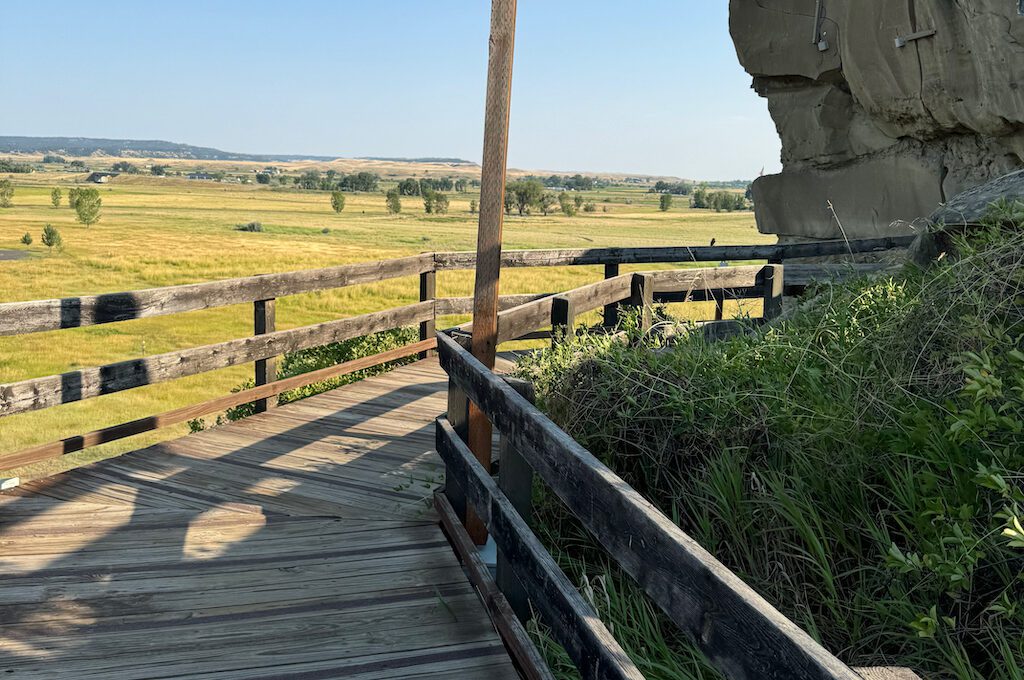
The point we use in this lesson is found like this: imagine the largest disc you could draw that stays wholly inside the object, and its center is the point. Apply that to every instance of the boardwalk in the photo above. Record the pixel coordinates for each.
(298, 543)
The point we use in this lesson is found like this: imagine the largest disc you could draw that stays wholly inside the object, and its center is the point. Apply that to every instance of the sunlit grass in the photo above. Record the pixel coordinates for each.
(167, 231)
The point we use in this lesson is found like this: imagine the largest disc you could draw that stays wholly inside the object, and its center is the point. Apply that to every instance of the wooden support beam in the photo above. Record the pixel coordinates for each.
(772, 280)
(563, 317)
(428, 292)
(642, 297)
(264, 321)
(611, 310)
(515, 479)
(488, 240)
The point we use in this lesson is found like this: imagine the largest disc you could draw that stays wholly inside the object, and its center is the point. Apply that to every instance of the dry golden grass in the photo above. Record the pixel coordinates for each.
(165, 231)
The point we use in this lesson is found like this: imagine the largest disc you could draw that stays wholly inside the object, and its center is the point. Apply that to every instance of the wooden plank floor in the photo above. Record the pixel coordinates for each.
(299, 543)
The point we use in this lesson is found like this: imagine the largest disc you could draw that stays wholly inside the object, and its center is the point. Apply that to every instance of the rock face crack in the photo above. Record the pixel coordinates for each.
(883, 133)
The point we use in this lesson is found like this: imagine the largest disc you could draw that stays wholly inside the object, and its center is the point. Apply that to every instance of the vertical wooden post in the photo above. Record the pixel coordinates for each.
(264, 321)
(515, 479)
(488, 240)
(771, 280)
(611, 310)
(562, 317)
(642, 296)
(428, 291)
(719, 297)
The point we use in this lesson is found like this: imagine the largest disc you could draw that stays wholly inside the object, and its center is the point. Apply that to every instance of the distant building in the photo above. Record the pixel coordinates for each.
(200, 175)
(101, 177)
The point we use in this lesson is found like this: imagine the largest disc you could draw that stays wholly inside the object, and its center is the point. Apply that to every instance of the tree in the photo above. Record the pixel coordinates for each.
(577, 199)
(565, 202)
(53, 158)
(472, 207)
(78, 165)
(665, 202)
(460, 186)
(337, 201)
(440, 203)
(509, 200)
(547, 202)
(6, 193)
(125, 167)
(158, 170)
(27, 239)
(55, 198)
(263, 178)
(73, 194)
(309, 179)
(526, 193)
(393, 202)
(409, 187)
(51, 238)
(88, 205)
(428, 200)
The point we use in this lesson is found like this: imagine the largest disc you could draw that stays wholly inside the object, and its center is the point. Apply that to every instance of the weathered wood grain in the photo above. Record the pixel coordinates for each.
(264, 313)
(738, 631)
(88, 310)
(575, 625)
(105, 435)
(650, 255)
(39, 393)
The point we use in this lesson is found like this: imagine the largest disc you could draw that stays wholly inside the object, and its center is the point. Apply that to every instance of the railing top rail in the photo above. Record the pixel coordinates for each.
(657, 254)
(17, 318)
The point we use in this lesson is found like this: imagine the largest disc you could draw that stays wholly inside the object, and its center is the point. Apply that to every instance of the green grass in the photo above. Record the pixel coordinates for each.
(859, 465)
(167, 231)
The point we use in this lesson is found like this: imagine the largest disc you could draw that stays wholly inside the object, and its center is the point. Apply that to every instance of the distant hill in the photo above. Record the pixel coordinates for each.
(155, 148)
(429, 159)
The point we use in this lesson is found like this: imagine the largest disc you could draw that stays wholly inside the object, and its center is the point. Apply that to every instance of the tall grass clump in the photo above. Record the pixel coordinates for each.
(860, 463)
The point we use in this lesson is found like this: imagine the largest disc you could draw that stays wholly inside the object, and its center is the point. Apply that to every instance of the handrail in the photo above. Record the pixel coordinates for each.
(521, 316)
(738, 631)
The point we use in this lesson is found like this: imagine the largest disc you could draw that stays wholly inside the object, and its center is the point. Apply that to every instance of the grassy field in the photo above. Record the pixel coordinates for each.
(163, 231)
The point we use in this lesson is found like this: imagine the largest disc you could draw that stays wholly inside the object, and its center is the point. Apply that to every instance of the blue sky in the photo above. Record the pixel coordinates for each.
(648, 86)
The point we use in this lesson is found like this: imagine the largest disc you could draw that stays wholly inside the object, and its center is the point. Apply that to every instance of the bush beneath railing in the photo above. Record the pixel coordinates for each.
(859, 464)
(315, 358)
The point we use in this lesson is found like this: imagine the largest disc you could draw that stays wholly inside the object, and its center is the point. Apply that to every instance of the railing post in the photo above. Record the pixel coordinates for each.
(611, 310)
(562, 317)
(515, 479)
(458, 416)
(642, 297)
(719, 297)
(264, 321)
(428, 291)
(771, 278)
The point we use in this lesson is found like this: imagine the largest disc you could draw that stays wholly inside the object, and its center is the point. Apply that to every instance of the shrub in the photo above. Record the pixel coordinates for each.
(315, 358)
(6, 193)
(589, 206)
(664, 202)
(857, 463)
(51, 238)
(87, 206)
(55, 197)
(393, 202)
(53, 158)
(337, 201)
(249, 226)
(26, 239)
(472, 207)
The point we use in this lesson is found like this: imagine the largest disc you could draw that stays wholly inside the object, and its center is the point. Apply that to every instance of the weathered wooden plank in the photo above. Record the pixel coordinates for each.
(68, 445)
(738, 631)
(515, 479)
(39, 393)
(705, 278)
(71, 312)
(464, 305)
(428, 291)
(574, 624)
(611, 310)
(649, 255)
(641, 287)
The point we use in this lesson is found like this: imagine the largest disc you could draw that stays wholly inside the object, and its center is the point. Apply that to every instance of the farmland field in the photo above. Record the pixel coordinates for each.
(157, 231)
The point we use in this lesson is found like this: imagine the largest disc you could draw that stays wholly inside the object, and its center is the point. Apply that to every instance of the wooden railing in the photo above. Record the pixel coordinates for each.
(519, 318)
(737, 630)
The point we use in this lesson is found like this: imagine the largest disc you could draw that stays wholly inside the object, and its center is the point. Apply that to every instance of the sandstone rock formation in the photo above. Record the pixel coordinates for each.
(885, 107)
